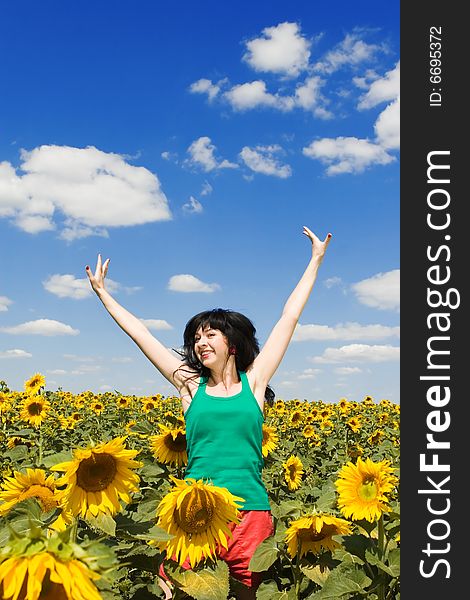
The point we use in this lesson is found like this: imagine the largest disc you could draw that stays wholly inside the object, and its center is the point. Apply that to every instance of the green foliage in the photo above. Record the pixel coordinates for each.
(366, 565)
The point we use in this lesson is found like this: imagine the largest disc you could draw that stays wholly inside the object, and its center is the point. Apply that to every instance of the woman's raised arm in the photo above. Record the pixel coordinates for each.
(270, 356)
(154, 350)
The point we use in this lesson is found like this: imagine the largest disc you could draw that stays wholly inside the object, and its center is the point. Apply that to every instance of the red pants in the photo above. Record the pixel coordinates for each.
(255, 526)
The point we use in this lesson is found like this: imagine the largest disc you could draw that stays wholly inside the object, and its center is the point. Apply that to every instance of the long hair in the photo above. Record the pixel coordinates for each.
(240, 333)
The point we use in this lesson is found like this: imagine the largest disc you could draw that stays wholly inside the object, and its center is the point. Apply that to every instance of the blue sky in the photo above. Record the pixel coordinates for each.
(190, 142)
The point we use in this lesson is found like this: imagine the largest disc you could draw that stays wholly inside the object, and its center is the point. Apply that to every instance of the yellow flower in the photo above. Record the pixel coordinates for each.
(270, 439)
(296, 418)
(43, 575)
(4, 402)
(354, 424)
(308, 431)
(97, 407)
(293, 471)
(170, 446)
(123, 402)
(34, 410)
(98, 478)
(35, 383)
(314, 533)
(362, 488)
(376, 436)
(198, 515)
(33, 484)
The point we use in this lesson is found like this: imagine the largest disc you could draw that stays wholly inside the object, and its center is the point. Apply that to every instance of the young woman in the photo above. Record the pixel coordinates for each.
(223, 381)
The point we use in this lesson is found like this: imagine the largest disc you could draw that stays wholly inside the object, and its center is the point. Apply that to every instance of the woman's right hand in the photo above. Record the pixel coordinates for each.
(97, 280)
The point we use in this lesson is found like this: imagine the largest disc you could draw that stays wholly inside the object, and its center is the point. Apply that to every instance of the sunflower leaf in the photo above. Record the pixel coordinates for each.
(204, 584)
(264, 556)
(104, 523)
(343, 580)
(54, 459)
(394, 558)
(268, 590)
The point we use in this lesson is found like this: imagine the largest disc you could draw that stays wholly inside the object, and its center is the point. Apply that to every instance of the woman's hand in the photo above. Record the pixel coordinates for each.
(97, 280)
(318, 247)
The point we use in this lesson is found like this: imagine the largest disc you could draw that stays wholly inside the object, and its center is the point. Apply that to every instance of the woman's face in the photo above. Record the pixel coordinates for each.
(210, 346)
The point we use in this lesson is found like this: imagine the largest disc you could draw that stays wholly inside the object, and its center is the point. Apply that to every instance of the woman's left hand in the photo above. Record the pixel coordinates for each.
(318, 247)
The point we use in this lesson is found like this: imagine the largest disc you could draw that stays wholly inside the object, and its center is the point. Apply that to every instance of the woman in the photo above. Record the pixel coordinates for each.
(223, 378)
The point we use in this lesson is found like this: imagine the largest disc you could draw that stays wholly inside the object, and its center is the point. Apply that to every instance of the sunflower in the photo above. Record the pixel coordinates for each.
(279, 407)
(44, 576)
(98, 477)
(362, 488)
(376, 436)
(4, 402)
(149, 405)
(170, 446)
(97, 407)
(354, 424)
(123, 402)
(198, 516)
(34, 383)
(32, 484)
(34, 410)
(293, 471)
(296, 418)
(308, 431)
(314, 533)
(270, 439)
(16, 440)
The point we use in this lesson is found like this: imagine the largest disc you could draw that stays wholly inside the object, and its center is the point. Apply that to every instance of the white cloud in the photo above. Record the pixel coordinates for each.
(385, 89)
(157, 324)
(387, 126)
(309, 373)
(193, 206)
(346, 331)
(247, 96)
(122, 359)
(189, 283)
(358, 353)
(90, 189)
(46, 327)
(347, 154)
(206, 189)
(352, 51)
(68, 286)
(15, 353)
(57, 372)
(281, 49)
(202, 154)
(381, 291)
(347, 370)
(332, 282)
(309, 97)
(206, 86)
(5, 303)
(262, 159)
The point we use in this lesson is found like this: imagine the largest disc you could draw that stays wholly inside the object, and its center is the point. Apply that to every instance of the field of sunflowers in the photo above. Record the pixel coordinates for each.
(93, 500)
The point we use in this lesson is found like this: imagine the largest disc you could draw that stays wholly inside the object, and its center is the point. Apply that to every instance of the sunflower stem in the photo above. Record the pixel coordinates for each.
(381, 537)
(40, 447)
(74, 530)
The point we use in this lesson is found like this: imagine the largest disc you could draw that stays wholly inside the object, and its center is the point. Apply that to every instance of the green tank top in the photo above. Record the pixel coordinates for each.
(224, 438)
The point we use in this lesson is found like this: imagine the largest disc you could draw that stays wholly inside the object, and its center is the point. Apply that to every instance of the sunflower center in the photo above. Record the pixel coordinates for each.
(44, 494)
(176, 445)
(95, 473)
(196, 512)
(292, 471)
(368, 489)
(316, 536)
(35, 408)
